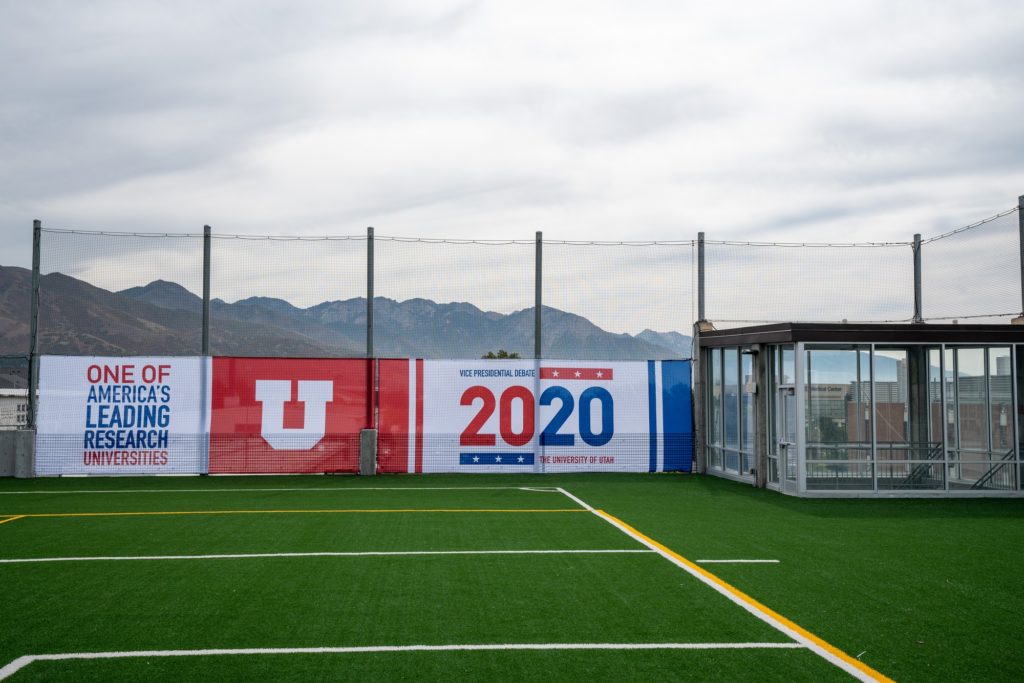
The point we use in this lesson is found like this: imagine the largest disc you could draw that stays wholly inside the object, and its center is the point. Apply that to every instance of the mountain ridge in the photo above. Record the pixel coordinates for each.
(164, 318)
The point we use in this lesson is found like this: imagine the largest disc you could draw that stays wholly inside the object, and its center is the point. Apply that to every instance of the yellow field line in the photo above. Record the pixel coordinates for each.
(740, 595)
(273, 512)
(11, 519)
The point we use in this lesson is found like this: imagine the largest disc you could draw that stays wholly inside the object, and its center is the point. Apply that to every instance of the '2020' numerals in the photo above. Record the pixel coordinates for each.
(550, 436)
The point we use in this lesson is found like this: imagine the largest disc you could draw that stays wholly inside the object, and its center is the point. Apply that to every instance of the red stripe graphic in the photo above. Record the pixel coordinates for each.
(419, 415)
(589, 374)
(393, 438)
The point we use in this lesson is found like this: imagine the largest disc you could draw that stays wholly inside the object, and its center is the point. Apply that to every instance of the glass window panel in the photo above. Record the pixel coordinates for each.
(788, 371)
(1019, 350)
(747, 406)
(860, 431)
(731, 391)
(732, 462)
(715, 411)
(715, 457)
(935, 396)
(830, 376)
(789, 432)
(895, 475)
(972, 405)
(949, 373)
(770, 394)
(838, 396)
(839, 476)
(1001, 400)
(892, 407)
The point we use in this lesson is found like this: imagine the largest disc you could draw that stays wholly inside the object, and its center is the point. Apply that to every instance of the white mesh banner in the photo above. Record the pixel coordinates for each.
(145, 415)
(535, 416)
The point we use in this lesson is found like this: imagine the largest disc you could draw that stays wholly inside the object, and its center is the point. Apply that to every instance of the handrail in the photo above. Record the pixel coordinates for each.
(990, 475)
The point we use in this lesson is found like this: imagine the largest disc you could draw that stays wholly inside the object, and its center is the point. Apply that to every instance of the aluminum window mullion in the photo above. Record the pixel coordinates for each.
(988, 403)
(1013, 404)
(800, 404)
(943, 416)
(956, 407)
(874, 421)
(739, 405)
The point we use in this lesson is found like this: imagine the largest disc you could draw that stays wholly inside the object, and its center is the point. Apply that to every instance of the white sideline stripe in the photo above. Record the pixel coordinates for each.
(324, 488)
(21, 662)
(767, 618)
(736, 561)
(369, 553)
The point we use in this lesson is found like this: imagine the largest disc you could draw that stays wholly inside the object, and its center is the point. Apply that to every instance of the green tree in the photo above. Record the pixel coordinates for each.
(502, 353)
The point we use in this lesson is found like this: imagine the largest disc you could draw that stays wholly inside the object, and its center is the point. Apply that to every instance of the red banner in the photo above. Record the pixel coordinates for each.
(288, 415)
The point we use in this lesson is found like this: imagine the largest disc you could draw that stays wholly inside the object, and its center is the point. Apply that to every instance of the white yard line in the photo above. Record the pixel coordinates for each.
(21, 662)
(829, 652)
(369, 553)
(325, 488)
(736, 561)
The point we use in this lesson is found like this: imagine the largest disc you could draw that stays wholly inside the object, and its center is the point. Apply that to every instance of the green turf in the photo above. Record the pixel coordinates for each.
(919, 589)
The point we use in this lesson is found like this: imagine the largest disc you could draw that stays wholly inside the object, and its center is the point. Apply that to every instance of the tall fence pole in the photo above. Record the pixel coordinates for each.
(699, 325)
(33, 354)
(700, 278)
(1020, 243)
(538, 299)
(918, 318)
(206, 290)
(369, 292)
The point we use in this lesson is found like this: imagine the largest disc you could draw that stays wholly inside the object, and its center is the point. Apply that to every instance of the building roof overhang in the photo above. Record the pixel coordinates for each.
(864, 333)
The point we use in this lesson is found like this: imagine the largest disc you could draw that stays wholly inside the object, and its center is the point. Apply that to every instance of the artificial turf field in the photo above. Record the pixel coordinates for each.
(601, 581)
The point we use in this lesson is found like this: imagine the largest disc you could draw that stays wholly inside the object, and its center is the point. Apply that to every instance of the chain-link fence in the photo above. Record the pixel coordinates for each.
(142, 294)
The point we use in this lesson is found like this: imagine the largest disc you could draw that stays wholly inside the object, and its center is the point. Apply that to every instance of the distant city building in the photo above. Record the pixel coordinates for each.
(13, 409)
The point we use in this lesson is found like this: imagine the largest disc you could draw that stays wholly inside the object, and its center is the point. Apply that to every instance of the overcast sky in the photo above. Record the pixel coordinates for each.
(789, 121)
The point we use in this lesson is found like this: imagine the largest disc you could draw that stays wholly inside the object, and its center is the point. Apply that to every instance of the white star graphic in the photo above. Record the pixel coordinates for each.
(600, 374)
(520, 458)
(554, 373)
(577, 373)
(476, 458)
(497, 458)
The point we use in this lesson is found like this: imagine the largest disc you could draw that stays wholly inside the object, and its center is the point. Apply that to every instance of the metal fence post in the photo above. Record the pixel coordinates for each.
(537, 291)
(699, 325)
(700, 277)
(206, 290)
(1020, 243)
(369, 292)
(917, 279)
(33, 353)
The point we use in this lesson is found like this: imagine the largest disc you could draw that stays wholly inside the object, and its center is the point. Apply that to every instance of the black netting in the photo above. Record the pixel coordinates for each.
(120, 294)
(116, 294)
(288, 297)
(973, 273)
(448, 299)
(755, 283)
(627, 301)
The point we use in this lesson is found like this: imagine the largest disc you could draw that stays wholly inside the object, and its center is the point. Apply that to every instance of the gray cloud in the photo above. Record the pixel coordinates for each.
(597, 120)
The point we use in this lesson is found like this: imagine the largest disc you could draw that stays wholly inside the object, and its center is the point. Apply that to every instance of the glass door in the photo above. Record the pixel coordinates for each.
(785, 427)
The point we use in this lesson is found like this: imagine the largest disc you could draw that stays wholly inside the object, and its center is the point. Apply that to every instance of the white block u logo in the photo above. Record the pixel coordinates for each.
(274, 393)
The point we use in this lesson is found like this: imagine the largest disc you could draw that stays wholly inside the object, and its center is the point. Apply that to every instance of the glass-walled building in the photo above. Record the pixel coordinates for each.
(812, 409)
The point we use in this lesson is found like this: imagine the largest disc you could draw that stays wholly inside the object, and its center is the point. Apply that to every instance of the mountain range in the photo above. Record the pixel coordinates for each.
(163, 317)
